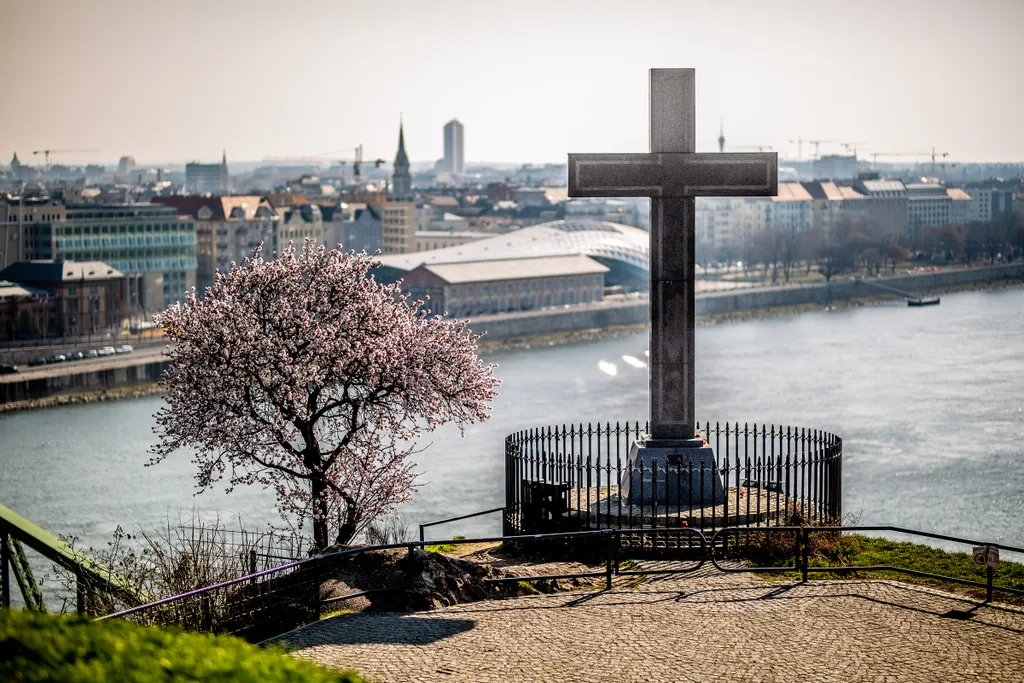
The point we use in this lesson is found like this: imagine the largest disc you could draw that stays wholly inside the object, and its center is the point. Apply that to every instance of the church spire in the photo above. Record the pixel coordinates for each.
(225, 179)
(401, 180)
(401, 159)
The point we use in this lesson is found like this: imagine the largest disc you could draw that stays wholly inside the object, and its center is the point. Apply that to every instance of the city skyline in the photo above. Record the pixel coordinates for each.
(186, 82)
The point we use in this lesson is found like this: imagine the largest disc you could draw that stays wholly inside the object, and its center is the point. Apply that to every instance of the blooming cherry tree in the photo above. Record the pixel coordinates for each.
(305, 375)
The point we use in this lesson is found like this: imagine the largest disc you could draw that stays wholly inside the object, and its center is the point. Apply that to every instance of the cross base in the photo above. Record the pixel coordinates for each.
(680, 476)
(673, 443)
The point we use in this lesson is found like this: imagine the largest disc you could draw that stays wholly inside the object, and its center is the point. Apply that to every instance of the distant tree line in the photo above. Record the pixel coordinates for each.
(864, 245)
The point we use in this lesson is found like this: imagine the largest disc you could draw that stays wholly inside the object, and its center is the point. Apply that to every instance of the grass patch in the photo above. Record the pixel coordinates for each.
(851, 550)
(45, 647)
(444, 547)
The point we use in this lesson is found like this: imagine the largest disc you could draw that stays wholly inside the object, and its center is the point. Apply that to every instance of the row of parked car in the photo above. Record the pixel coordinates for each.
(6, 369)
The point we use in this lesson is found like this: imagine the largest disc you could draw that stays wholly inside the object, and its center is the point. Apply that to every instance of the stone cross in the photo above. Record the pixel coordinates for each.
(672, 175)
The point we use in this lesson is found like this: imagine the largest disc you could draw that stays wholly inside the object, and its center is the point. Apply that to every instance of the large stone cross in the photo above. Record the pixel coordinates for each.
(672, 175)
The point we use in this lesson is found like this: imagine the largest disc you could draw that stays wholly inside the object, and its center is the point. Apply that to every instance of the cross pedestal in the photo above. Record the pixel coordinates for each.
(671, 475)
(672, 175)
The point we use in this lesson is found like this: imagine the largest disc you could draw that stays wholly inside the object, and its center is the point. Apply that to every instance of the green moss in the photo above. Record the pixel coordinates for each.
(444, 547)
(335, 613)
(43, 647)
(440, 548)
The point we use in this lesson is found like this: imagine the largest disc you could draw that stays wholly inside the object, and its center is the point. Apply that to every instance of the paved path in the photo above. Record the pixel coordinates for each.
(711, 627)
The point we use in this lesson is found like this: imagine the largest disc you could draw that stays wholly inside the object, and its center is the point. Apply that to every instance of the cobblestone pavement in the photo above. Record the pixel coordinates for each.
(712, 627)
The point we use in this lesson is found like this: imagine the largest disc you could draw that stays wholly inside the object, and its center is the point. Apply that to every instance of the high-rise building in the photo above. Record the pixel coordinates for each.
(125, 164)
(454, 152)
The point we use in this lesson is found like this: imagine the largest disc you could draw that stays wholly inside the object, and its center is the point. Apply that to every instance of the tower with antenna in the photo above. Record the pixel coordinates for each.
(721, 136)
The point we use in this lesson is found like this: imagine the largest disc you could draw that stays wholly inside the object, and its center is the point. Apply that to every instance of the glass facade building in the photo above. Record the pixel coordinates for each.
(149, 243)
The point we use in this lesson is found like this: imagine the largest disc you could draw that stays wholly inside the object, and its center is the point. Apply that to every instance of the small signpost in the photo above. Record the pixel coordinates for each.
(986, 555)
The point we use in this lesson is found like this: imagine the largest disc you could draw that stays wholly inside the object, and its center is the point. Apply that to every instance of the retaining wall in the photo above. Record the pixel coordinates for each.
(537, 323)
(126, 376)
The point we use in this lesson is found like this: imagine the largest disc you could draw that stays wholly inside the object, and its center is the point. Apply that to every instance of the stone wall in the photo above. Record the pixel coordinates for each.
(551, 321)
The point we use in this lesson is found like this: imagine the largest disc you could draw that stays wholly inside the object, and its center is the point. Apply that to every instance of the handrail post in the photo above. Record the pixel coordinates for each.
(421, 533)
(80, 606)
(315, 590)
(804, 552)
(5, 576)
(989, 572)
(612, 536)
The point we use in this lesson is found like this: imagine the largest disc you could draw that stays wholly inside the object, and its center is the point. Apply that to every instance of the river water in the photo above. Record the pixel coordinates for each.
(929, 403)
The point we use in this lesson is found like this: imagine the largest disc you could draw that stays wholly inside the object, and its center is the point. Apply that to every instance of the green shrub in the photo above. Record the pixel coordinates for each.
(44, 647)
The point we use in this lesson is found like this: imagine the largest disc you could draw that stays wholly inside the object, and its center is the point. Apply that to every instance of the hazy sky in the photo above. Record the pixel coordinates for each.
(531, 81)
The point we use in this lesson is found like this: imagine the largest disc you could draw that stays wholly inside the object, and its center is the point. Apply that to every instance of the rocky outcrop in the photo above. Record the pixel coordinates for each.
(427, 580)
(440, 581)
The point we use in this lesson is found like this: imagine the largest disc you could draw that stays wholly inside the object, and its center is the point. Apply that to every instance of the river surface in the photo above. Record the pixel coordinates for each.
(929, 403)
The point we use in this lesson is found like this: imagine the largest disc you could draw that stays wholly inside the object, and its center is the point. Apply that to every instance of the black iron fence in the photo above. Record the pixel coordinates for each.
(575, 477)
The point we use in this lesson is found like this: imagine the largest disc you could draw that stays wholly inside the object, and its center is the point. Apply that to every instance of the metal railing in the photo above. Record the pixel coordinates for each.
(769, 475)
(801, 544)
(425, 525)
(262, 604)
(266, 603)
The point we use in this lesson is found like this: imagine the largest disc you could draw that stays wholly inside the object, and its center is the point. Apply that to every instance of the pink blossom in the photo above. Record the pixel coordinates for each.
(306, 376)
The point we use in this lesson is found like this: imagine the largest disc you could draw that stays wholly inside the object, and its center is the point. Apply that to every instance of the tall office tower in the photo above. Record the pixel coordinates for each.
(454, 152)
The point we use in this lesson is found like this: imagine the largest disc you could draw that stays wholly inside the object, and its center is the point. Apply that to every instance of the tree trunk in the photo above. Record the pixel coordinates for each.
(320, 535)
(346, 530)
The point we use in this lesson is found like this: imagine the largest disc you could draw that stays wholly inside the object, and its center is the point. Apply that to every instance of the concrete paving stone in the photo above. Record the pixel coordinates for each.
(707, 626)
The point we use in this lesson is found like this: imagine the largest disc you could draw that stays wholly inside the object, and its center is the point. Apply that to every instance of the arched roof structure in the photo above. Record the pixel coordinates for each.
(622, 248)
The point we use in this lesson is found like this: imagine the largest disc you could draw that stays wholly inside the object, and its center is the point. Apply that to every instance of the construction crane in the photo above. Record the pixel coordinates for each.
(934, 155)
(759, 148)
(851, 146)
(817, 145)
(799, 142)
(356, 162)
(47, 152)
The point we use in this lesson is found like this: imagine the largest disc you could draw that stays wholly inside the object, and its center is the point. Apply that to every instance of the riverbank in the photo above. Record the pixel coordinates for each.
(82, 397)
(489, 347)
(597, 334)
